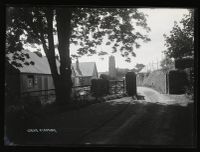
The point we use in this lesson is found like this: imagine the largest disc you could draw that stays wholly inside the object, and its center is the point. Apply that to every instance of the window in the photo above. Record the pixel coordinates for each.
(81, 80)
(35, 81)
(30, 81)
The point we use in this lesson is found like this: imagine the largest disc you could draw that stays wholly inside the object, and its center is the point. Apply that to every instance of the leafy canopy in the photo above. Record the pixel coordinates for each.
(180, 42)
(89, 27)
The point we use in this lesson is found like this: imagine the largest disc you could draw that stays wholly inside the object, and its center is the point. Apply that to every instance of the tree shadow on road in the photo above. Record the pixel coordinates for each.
(158, 125)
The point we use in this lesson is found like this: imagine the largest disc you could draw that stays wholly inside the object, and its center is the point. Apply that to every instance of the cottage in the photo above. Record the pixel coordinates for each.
(37, 77)
(83, 73)
(29, 78)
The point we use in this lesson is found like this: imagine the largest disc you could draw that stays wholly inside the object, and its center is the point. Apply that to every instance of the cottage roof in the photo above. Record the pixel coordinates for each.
(86, 68)
(41, 65)
(75, 71)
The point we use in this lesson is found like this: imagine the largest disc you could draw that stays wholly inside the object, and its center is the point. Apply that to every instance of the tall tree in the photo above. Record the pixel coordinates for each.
(85, 27)
(180, 42)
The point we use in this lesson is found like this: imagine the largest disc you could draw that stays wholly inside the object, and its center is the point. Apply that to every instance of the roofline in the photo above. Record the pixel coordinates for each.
(34, 73)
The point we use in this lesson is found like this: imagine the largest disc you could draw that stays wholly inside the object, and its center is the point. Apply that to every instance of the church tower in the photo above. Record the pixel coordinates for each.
(112, 69)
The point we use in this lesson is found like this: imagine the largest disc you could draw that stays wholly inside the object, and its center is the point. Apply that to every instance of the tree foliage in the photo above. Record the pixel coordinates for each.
(88, 28)
(122, 72)
(167, 64)
(138, 67)
(180, 42)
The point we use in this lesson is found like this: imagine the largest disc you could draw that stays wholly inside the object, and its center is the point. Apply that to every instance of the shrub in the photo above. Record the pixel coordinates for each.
(177, 81)
(189, 92)
(31, 103)
(17, 119)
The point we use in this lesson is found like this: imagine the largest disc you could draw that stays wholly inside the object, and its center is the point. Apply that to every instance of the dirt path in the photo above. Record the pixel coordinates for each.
(155, 97)
(156, 121)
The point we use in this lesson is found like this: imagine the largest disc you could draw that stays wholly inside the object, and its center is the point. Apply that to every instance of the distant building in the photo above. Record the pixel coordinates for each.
(112, 68)
(83, 73)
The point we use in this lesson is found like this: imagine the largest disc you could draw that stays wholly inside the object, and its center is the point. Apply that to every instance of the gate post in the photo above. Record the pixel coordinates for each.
(131, 88)
(99, 87)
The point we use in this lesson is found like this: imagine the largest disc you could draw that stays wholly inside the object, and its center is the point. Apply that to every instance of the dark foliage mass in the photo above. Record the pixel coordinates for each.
(177, 82)
(180, 42)
(180, 46)
(88, 27)
(184, 63)
(167, 64)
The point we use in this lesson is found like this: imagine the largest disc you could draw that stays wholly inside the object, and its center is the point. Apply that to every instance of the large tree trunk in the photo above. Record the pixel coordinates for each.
(64, 83)
(62, 80)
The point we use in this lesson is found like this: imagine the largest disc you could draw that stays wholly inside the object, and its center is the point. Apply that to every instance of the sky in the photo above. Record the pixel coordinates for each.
(160, 21)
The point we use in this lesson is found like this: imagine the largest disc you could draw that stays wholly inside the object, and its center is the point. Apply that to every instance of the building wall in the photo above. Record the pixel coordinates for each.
(18, 83)
(75, 81)
(51, 83)
(40, 82)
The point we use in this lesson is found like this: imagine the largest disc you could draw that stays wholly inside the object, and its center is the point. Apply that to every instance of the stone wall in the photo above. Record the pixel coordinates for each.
(156, 80)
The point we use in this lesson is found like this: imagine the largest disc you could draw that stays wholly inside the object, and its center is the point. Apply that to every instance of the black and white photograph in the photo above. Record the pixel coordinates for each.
(99, 76)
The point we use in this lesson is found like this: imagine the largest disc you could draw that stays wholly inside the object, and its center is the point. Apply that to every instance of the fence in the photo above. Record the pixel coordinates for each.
(81, 91)
(115, 87)
(49, 95)
(42, 95)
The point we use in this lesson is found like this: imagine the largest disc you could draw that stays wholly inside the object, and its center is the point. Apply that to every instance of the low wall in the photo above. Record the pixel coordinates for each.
(156, 80)
(140, 78)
